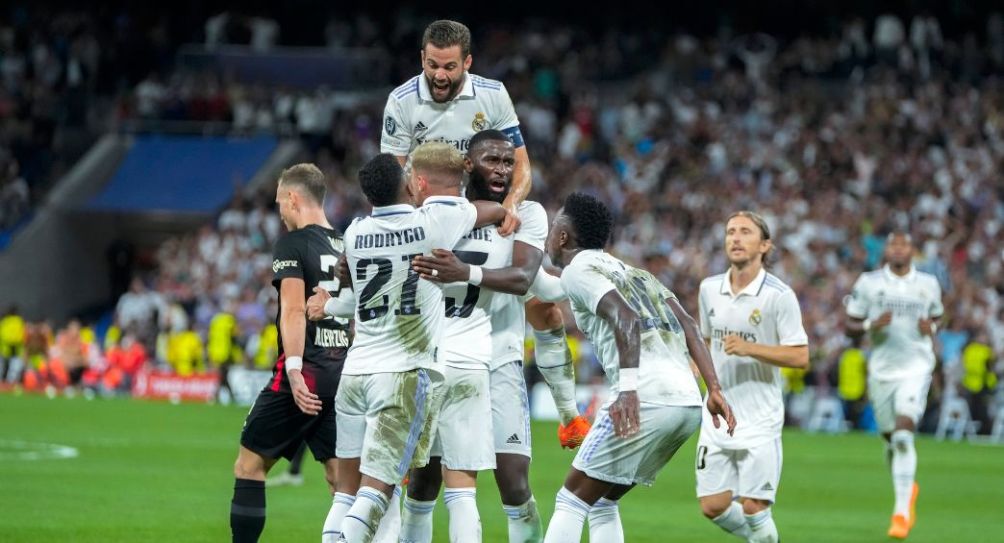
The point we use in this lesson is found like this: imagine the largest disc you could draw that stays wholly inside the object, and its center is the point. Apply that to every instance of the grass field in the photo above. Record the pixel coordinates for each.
(159, 472)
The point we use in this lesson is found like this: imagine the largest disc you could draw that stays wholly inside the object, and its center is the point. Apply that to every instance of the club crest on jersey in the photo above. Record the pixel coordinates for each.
(756, 317)
(480, 122)
(389, 125)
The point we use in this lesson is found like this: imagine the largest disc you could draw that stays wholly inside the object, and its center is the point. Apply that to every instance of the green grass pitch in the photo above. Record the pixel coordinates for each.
(151, 471)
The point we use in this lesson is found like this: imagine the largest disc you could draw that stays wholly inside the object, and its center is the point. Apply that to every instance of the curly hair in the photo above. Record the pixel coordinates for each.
(381, 179)
(590, 218)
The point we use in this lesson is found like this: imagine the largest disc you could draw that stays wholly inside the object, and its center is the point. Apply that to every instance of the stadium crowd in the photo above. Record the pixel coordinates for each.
(836, 140)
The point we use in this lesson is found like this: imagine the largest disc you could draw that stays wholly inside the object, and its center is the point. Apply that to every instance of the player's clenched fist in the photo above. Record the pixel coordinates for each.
(315, 304)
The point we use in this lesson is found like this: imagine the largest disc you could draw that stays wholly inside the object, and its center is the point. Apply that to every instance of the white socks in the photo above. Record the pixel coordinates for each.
(566, 523)
(340, 505)
(390, 524)
(465, 522)
(554, 361)
(605, 522)
(416, 521)
(364, 516)
(524, 522)
(904, 469)
(762, 528)
(733, 521)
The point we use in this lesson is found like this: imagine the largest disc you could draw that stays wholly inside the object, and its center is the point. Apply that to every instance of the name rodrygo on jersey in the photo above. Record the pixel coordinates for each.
(399, 317)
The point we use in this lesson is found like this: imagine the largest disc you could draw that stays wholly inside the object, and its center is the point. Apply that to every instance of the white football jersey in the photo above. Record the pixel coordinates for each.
(508, 316)
(399, 317)
(412, 117)
(765, 312)
(899, 350)
(467, 336)
(664, 375)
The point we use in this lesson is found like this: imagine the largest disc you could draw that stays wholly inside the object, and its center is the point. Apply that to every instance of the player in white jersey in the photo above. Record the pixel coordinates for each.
(446, 103)
(490, 162)
(898, 308)
(753, 325)
(642, 337)
(386, 401)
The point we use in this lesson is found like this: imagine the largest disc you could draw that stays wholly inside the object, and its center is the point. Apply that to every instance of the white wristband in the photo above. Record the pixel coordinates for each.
(330, 306)
(628, 380)
(294, 363)
(476, 275)
(867, 324)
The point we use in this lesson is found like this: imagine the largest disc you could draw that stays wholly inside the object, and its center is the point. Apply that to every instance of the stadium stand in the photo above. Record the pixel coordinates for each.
(836, 138)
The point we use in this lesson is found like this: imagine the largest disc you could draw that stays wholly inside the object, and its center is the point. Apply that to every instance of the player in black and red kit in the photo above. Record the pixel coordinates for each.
(298, 404)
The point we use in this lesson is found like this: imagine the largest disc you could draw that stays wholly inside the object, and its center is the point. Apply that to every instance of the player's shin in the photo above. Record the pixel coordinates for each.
(733, 521)
(465, 522)
(364, 516)
(340, 505)
(605, 522)
(247, 510)
(416, 521)
(762, 528)
(569, 515)
(390, 524)
(524, 522)
(904, 469)
(554, 361)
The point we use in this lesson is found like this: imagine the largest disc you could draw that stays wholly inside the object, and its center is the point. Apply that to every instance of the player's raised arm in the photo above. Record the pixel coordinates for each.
(488, 213)
(522, 173)
(702, 359)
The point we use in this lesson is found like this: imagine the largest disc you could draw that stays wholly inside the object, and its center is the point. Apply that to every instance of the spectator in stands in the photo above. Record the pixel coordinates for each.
(979, 380)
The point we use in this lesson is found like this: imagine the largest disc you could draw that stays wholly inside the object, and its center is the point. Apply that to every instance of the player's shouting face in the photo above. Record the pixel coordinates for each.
(490, 166)
(444, 70)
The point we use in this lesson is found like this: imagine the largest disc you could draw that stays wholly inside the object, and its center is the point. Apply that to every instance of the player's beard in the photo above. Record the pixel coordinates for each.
(477, 189)
(450, 94)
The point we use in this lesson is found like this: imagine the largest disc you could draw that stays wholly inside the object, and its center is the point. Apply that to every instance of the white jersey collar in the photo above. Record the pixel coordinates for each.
(426, 94)
(452, 200)
(396, 209)
(910, 275)
(752, 289)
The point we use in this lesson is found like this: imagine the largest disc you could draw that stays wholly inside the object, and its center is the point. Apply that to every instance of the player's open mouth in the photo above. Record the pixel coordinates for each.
(496, 186)
(441, 88)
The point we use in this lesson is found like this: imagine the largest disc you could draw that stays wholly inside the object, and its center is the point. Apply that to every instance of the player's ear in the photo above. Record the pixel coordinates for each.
(467, 62)
(468, 164)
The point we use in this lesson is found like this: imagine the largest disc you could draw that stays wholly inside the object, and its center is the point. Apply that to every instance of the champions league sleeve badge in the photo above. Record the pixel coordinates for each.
(389, 125)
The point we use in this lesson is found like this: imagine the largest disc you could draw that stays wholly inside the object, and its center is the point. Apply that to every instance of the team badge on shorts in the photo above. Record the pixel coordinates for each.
(390, 125)
(480, 122)
(756, 317)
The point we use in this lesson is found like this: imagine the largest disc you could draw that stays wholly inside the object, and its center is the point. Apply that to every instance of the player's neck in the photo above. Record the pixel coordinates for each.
(435, 190)
(900, 270)
(741, 275)
(314, 216)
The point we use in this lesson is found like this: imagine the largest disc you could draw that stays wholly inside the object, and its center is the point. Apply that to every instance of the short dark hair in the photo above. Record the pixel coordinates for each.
(380, 179)
(445, 33)
(590, 218)
(308, 177)
(487, 135)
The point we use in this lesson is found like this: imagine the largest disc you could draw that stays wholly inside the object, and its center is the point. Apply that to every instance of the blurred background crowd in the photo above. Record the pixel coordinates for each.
(837, 136)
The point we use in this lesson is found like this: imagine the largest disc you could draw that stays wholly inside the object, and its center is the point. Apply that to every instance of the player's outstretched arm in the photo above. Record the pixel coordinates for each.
(488, 212)
(701, 357)
(624, 321)
(293, 330)
(515, 279)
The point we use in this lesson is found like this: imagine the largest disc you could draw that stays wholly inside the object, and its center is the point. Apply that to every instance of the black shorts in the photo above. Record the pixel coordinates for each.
(275, 427)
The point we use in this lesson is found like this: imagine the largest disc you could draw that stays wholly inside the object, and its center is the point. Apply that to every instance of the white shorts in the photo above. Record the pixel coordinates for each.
(747, 473)
(906, 397)
(464, 436)
(387, 421)
(638, 458)
(510, 409)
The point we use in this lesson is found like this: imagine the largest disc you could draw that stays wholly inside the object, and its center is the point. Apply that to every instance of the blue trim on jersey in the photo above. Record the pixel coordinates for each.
(515, 135)
(485, 82)
(483, 86)
(406, 89)
(442, 202)
(389, 213)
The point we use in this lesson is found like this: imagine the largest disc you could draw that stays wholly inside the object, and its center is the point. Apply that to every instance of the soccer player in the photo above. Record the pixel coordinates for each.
(386, 404)
(490, 161)
(447, 103)
(753, 325)
(898, 307)
(298, 404)
(642, 336)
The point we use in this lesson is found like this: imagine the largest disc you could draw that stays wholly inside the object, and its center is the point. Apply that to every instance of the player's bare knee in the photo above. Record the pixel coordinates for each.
(515, 490)
(544, 316)
(753, 506)
(713, 506)
(424, 483)
(249, 468)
